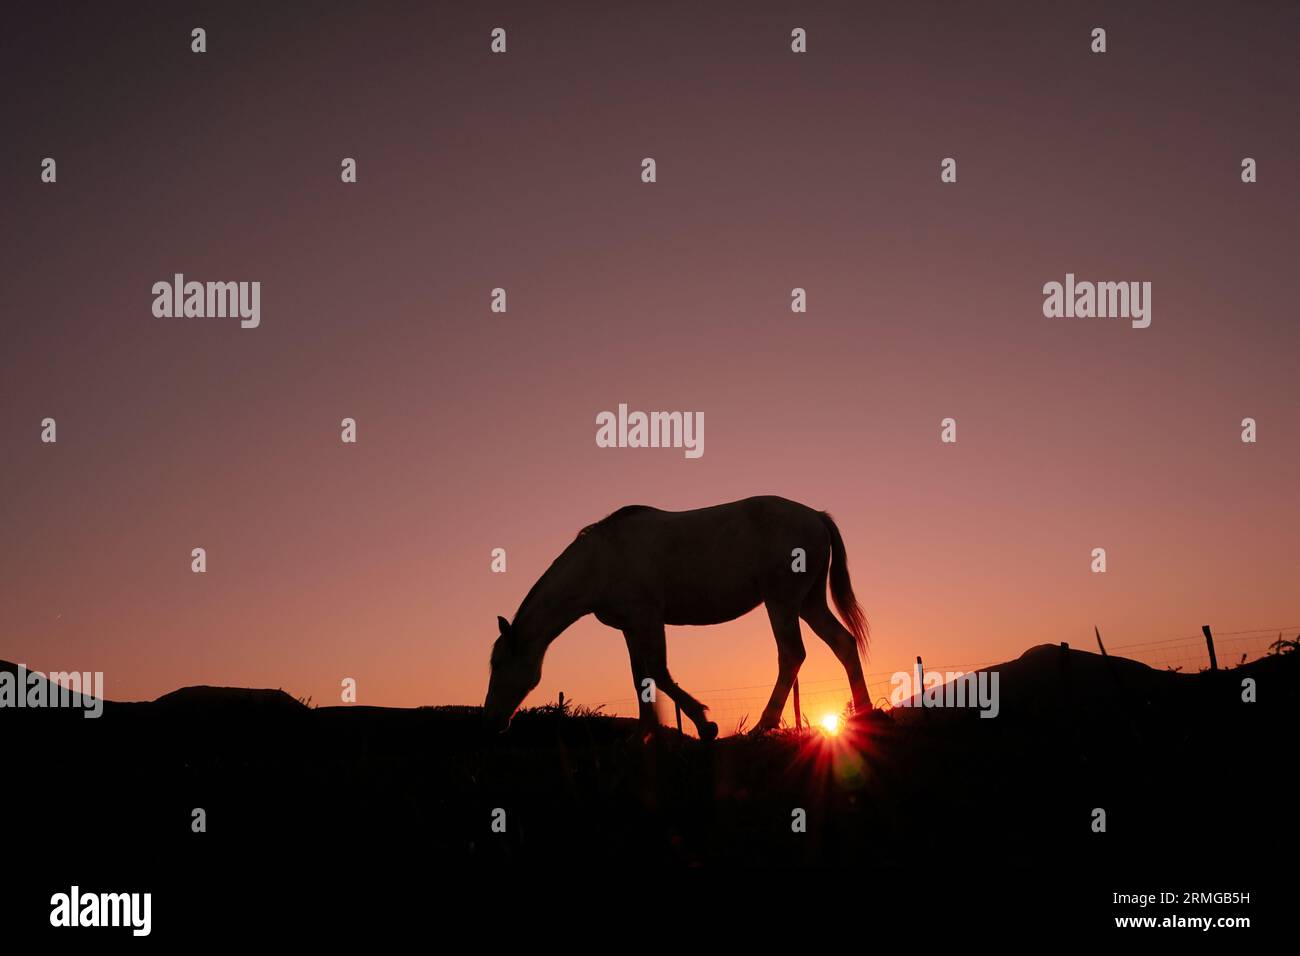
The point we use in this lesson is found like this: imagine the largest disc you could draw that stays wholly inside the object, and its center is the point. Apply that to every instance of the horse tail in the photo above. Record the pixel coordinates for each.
(842, 588)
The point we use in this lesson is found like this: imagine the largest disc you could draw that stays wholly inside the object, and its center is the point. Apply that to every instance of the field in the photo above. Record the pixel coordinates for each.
(1177, 761)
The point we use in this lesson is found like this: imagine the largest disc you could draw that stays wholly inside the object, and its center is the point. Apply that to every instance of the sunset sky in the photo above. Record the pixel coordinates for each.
(477, 430)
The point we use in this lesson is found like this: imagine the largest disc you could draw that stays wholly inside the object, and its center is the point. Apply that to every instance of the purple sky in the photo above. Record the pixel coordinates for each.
(477, 430)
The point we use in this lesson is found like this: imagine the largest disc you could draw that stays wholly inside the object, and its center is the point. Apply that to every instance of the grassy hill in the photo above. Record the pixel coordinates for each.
(1187, 773)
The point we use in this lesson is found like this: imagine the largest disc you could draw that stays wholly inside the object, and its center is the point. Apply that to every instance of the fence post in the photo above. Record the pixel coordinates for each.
(1209, 642)
(1120, 689)
(678, 708)
(798, 716)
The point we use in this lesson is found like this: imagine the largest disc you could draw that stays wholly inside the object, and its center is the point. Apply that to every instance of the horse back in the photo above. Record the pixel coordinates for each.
(707, 565)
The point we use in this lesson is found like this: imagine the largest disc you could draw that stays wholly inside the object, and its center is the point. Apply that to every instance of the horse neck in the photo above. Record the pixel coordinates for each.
(560, 597)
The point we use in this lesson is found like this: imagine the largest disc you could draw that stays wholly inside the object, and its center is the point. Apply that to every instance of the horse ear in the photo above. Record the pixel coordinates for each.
(504, 625)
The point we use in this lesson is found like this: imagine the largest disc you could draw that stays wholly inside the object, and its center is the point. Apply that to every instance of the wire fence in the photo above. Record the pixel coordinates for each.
(738, 708)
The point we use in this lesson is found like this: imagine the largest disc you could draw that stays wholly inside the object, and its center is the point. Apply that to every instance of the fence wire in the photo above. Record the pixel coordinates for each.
(738, 708)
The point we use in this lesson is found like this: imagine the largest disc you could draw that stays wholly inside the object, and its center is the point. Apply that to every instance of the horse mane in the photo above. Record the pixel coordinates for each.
(594, 526)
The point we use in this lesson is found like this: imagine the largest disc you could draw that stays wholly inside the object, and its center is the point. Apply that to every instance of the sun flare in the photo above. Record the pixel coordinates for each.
(831, 724)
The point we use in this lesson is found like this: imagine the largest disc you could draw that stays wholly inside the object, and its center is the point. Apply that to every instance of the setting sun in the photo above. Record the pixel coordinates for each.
(831, 723)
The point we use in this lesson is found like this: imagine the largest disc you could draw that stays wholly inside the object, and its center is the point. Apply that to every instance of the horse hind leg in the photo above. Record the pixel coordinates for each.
(828, 627)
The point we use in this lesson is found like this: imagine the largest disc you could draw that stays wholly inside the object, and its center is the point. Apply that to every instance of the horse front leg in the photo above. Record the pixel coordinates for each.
(647, 644)
(790, 655)
(647, 717)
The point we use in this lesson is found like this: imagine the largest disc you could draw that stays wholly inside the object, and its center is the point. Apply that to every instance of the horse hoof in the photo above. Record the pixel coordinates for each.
(709, 731)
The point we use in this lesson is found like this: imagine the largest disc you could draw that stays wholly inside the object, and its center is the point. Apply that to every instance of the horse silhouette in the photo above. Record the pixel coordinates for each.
(641, 568)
